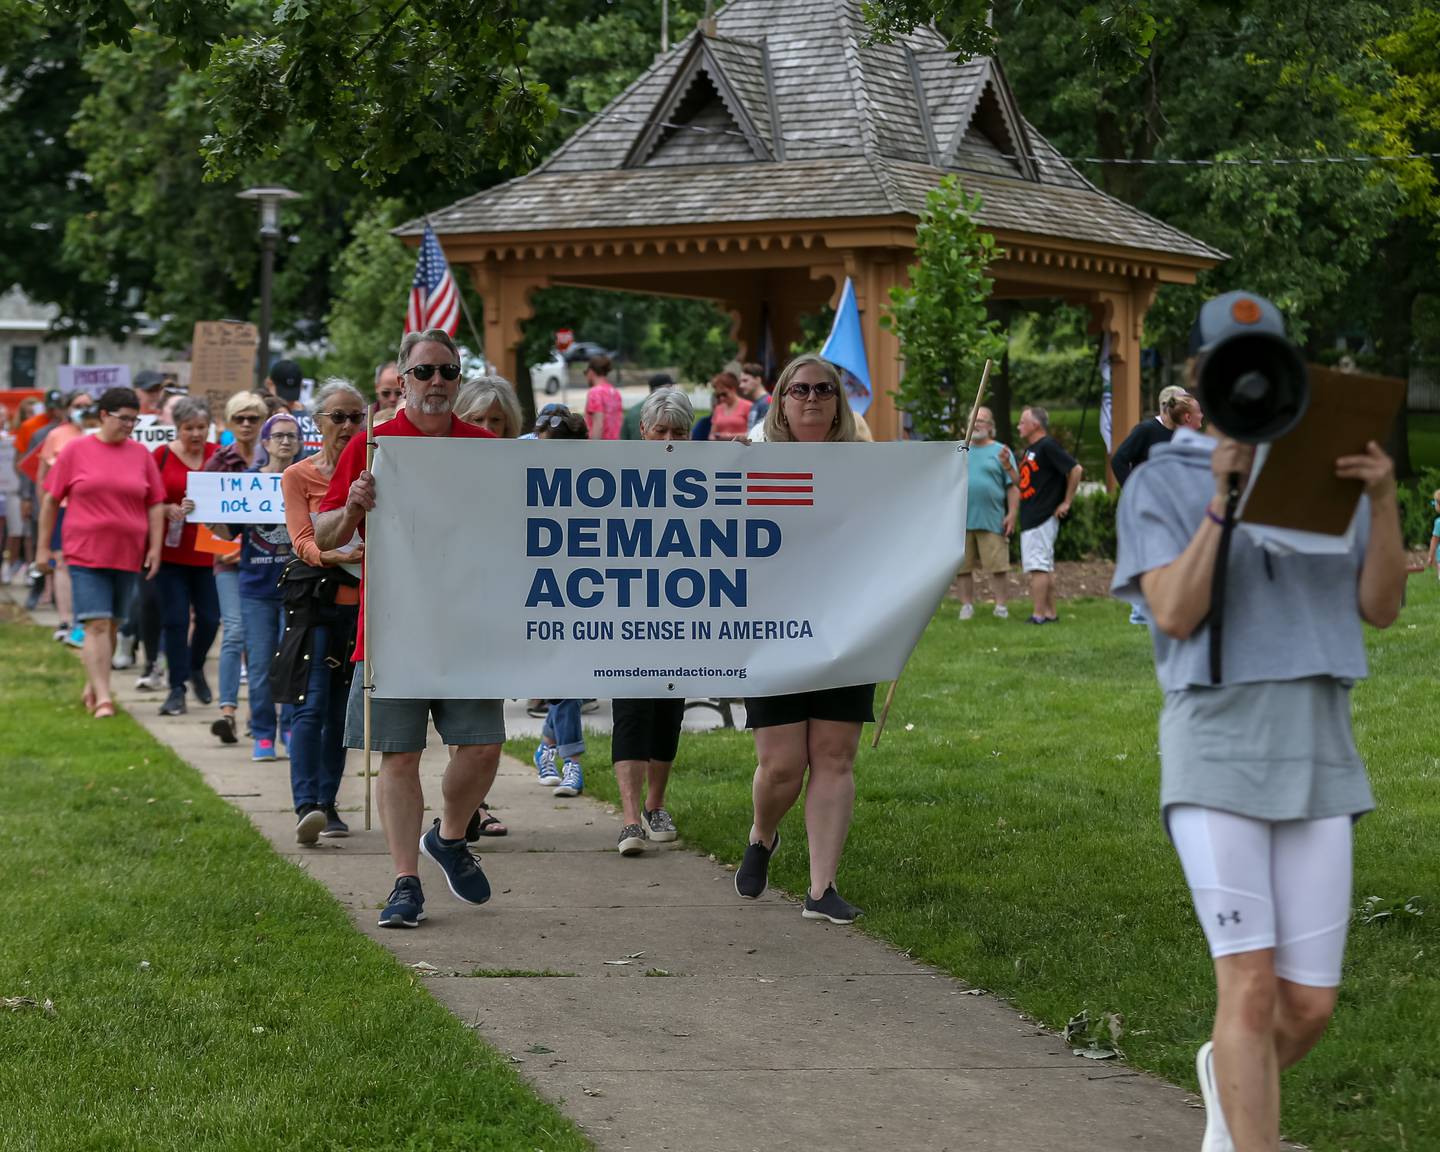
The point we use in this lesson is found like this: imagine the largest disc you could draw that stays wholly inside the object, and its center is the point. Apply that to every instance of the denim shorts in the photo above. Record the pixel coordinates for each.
(101, 593)
(401, 725)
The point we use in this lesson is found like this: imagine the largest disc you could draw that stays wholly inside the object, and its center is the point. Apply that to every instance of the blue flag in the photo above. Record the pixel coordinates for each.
(846, 350)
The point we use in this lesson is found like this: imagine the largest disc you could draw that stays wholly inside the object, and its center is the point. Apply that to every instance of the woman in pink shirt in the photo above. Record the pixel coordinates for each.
(730, 419)
(112, 532)
(604, 412)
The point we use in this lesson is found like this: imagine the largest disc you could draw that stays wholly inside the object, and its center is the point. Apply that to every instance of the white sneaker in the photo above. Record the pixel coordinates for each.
(967, 611)
(1002, 612)
(124, 653)
(1217, 1134)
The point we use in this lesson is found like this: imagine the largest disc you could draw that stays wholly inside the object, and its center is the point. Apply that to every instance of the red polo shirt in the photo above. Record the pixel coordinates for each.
(352, 463)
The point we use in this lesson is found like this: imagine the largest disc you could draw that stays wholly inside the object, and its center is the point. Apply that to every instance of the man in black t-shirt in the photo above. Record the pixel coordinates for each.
(1049, 477)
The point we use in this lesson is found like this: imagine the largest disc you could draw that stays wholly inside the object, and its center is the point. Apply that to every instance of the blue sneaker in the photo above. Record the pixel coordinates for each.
(545, 765)
(406, 906)
(461, 867)
(263, 750)
(572, 780)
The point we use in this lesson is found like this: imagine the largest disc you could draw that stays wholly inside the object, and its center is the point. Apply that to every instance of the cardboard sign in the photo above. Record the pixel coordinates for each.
(235, 498)
(93, 378)
(223, 362)
(1294, 485)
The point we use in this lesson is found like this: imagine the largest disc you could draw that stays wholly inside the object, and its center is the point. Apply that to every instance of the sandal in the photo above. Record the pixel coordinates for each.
(104, 709)
(87, 698)
(482, 823)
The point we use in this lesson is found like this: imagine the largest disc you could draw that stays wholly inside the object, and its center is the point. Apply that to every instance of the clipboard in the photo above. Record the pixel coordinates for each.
(1294, 486)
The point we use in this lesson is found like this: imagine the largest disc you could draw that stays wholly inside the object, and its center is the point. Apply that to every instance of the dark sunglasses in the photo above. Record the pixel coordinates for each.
(389, 393)
(245, 420)
(425, 371)
(822, 391)
(345, 417)
(555, 421)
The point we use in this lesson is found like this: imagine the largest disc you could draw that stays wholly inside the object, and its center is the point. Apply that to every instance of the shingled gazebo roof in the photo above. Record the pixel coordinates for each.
(788, 114)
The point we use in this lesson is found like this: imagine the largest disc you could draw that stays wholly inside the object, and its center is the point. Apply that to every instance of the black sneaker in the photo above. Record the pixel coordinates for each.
(462, 870)
(309, 825)
(632, 840)
(831, 906)
(224, 728)
(334, 826)
(753, 875)
(201, 686)
(406, 906)
(174, 703)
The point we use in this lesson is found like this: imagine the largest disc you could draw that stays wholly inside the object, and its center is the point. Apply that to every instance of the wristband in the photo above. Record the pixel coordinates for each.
(1210, 512)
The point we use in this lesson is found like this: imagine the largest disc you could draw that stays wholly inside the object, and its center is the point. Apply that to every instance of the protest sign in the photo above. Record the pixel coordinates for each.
(150, 432)
(503, 569)
(222, 362)
(93, 378)
(235, 498)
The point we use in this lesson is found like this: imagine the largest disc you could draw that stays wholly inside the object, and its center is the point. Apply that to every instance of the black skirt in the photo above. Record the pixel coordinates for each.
(852, 705)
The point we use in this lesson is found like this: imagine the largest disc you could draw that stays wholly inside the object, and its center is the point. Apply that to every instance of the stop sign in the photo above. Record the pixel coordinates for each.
(564, 338)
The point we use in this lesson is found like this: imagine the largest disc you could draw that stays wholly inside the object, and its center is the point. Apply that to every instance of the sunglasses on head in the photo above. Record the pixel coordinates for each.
(345, 417)
(553, 421)
(425, 371)
(821, 391)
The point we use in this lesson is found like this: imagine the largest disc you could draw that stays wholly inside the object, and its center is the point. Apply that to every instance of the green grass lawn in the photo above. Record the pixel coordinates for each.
(206, 993)
(1007, 831)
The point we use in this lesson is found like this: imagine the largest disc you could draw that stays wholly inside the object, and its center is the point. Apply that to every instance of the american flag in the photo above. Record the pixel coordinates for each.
(434, 297)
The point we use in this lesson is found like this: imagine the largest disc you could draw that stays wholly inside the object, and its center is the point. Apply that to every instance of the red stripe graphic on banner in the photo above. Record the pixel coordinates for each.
(779, 488)
(779, 475)
(801, 503)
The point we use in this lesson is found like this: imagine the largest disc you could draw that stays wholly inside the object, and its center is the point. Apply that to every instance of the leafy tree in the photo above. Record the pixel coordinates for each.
(940, 316)
(373, 86)
(371, 282)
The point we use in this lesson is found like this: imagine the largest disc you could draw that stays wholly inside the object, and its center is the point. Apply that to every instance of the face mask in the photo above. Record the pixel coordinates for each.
(77, 416)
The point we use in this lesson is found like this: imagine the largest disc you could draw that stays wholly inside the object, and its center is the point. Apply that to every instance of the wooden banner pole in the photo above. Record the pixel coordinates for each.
(969, 429)
(368, 672)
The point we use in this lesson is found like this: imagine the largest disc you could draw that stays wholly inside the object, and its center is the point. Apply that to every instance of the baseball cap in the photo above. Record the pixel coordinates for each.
(54, 398)
(287, 378)
(148, 381)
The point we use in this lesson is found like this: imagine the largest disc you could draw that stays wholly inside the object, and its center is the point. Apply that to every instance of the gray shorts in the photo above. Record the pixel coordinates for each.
(401, 725)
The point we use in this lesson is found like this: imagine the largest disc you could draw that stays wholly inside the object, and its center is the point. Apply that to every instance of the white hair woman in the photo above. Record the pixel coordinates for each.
(301, 674)
(490, 402)
(646, 733)
(807, 733)
(245, 412)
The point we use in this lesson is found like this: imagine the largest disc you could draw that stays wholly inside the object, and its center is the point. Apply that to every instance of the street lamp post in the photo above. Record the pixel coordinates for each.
(270, 199)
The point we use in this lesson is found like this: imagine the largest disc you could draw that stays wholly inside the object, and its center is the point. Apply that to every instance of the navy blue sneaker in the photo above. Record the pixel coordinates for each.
(462, 870)
(406, 906)
(753, 875)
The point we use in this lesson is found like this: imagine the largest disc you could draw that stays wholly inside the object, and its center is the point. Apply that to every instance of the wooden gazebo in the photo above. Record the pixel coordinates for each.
(773, 153)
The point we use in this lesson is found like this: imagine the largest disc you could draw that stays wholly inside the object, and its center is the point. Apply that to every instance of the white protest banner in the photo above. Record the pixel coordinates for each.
(93, 378)
(235, 498)
(573, 569)
(150, 432)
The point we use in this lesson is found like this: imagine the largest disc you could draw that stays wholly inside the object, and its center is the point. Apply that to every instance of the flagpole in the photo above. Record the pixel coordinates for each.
(464, 307)
(367, 669)
(969, 430)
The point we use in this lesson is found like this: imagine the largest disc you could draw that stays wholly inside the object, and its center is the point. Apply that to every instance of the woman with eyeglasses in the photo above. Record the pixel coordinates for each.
(245, 412)
(112, 532)
(187, 574)
(322, 602)
(264, 552)
(814, 732)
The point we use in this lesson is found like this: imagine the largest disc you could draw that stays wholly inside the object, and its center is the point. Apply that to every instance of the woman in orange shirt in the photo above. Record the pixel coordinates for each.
(322, 602)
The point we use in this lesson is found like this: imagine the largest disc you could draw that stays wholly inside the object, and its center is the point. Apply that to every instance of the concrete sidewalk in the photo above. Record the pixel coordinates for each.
(664, 1013)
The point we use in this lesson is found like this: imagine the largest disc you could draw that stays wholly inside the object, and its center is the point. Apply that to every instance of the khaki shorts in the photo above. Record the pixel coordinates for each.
(985, 552)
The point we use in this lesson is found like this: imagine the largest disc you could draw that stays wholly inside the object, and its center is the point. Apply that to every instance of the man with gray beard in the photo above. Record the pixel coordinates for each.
(429, 366)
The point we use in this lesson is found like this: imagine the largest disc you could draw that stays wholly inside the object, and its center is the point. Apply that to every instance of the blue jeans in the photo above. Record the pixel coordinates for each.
(183, 587)
(317, 735)
(562, 725)
(264, 621)
(232, 633)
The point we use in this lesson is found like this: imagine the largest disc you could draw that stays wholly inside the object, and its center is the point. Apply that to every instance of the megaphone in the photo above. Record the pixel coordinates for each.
(1251, 381)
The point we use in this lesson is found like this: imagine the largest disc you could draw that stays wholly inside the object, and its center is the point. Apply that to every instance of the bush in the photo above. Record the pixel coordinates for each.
(1088, 533)
(1417, 513)
(1054, 380)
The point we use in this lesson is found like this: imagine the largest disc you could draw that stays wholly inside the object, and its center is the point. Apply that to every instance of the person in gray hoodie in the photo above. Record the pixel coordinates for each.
(1260, 780)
